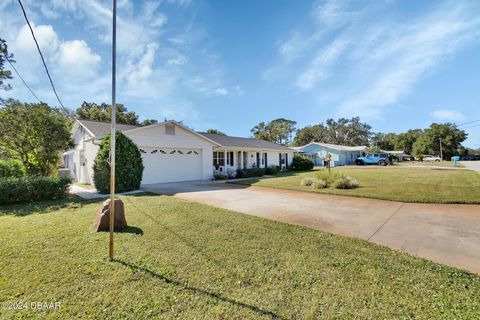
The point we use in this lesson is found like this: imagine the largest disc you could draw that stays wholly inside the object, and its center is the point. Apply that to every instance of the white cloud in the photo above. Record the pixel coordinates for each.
(46, 37)
(239, 90)
(402, 56)
(78, 53)
(447, 115)
(318, 68)
(140, 72)
(221, 92)
(177, 60)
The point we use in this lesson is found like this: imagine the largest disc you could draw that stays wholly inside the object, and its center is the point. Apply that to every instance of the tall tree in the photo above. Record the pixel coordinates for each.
(279, 131)
(4, 56)
(344, 132)
(215, 131)
(148, 122)
(382, 141)
(315, 133)
(406, 140)
(35, 134)
(103, 112)
(447, 134)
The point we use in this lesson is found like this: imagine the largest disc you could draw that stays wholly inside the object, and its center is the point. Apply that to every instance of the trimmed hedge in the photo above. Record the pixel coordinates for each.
(28, 189)
(10, 168)
(301, 163)
(272, 170)
(248, 173)
(128, 165)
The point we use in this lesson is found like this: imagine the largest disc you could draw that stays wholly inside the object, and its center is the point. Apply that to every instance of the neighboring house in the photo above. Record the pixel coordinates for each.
(399, 155)
(172, 152)
(340, 155)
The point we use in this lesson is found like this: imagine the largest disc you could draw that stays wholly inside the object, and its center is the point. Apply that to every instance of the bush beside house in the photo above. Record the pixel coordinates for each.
(27, 189)
(128, 165)
(301, 163)
(11, 168)
(249, 173)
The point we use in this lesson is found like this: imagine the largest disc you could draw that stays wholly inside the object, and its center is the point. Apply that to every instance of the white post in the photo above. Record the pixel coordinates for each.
(225, 161)
(241, 160)
(113, 131)
(441, 151)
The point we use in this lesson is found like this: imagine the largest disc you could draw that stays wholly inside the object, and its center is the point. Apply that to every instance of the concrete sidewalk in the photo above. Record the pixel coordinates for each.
(448, 234)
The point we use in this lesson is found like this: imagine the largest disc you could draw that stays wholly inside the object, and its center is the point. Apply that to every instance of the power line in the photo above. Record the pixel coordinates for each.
(468, 122)
(24, 82)
(474, 126)
(40, 52)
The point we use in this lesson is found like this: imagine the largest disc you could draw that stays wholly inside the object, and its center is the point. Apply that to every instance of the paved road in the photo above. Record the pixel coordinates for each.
(472, 165)
(448, 234)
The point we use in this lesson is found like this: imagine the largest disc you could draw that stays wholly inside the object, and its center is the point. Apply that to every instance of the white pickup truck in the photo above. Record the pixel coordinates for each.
(431, 158)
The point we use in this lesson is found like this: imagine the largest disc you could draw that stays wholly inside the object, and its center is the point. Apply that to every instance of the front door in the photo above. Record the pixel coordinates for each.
(265, 159)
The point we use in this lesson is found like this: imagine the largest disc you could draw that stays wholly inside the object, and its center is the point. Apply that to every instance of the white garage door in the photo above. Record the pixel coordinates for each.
(171, 164)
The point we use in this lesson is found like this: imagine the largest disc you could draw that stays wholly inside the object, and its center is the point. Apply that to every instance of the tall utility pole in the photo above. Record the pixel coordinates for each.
(441, 151)
(112, 132)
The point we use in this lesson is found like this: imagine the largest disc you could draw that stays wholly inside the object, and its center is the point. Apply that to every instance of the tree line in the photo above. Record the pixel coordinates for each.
(353, 132)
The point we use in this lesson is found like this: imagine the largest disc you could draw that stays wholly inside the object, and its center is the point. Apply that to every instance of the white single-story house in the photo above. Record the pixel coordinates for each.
(340, 155)
(173, 152)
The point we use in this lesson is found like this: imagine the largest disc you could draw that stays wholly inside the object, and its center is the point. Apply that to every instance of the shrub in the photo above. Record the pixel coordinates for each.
(10, 168)
(272, 170)
(128, 168)
(320, 184)
(301, 163)
(346, 183)
(248, 173)
(219, 176)
(27, 189)
(307, 181)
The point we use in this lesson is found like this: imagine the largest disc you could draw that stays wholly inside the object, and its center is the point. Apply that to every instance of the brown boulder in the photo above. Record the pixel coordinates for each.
(102, 219)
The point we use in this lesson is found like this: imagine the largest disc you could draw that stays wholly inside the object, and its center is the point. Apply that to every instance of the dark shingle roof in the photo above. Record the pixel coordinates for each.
(238, 142)
(101, 129)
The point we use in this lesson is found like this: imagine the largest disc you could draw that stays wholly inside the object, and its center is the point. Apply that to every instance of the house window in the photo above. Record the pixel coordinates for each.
(230, 158)
(170, 129)
(66, 161)
(218, 159)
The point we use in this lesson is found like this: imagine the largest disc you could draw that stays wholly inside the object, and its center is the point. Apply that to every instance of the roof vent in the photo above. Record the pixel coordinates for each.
(170, 129)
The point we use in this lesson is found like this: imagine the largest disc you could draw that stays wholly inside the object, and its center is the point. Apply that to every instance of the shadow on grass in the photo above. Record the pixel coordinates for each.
(201, 291)
(24, 209)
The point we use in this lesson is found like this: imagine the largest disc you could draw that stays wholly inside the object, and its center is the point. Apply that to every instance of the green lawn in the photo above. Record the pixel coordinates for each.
(389, 183)
(427, 164)
(185, 260)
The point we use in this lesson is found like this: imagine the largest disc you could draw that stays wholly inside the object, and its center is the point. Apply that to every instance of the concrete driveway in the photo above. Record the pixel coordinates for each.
(448, 234)
(472, 165)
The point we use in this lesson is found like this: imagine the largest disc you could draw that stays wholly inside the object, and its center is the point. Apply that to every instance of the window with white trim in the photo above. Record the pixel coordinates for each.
(218, 159)
(230, 158)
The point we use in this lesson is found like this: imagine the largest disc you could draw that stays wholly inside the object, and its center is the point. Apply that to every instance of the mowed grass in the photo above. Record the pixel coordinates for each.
(445, 164)
(191, 261)
(389, 183)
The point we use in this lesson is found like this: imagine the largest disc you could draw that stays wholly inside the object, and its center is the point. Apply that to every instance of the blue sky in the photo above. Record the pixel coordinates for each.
(231, 64)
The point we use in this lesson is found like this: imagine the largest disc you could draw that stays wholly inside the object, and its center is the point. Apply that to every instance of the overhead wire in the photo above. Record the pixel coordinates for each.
(40, 52)
(23, 80)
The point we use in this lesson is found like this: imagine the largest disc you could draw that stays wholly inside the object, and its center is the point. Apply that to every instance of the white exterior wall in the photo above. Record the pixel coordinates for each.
(80, 172)
(91, 150)
(155, 136)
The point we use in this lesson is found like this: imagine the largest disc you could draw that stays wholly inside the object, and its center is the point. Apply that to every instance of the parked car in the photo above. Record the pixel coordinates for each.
(381, 159)
(431, 158)
(470, 157)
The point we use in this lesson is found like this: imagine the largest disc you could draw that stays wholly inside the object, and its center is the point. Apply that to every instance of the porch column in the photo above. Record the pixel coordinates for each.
(225, 161)
(240, 165)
